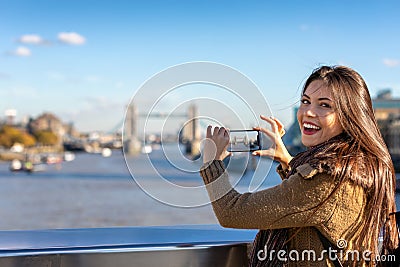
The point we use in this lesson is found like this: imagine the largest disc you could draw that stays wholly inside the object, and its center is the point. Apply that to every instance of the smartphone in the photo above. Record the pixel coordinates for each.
(244, 140)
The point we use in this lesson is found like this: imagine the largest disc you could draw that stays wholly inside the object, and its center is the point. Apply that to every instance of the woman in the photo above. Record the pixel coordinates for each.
(339, 193)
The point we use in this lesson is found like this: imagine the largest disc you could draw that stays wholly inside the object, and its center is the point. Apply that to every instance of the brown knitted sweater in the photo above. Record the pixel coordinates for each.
(292, 204)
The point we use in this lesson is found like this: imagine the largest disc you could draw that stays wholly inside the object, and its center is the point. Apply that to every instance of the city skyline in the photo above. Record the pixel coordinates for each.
(84, 61)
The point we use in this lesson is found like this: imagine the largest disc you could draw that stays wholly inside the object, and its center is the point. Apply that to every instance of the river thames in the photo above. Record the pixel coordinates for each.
(95, 191)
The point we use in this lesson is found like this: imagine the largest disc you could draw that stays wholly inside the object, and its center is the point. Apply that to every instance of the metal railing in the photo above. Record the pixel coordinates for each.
(194, 245)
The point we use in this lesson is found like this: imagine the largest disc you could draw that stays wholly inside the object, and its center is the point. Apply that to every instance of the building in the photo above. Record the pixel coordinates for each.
(49, 122)
(292, 137)
(385, 106)
(10, 116)
(387, 113)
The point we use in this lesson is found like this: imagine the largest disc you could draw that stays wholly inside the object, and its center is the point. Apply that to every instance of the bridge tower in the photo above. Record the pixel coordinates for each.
(192, 131)
(131, 142)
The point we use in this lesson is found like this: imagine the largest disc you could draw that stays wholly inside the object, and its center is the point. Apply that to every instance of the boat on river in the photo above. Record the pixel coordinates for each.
(28, 166)
(16, 165)
(69, 156)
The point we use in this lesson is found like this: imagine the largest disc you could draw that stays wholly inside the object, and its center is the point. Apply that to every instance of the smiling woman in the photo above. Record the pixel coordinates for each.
(316, 115)
(337, 195)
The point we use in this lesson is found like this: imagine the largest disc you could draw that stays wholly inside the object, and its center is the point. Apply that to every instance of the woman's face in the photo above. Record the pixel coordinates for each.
(316, 116)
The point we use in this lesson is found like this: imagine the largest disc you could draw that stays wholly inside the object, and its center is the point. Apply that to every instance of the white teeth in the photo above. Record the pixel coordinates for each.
(307, 125)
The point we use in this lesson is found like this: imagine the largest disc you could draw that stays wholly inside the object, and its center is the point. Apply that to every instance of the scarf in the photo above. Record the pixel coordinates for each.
(322, 157)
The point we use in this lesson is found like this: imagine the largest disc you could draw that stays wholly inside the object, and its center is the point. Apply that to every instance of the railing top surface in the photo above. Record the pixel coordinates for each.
(133, 237)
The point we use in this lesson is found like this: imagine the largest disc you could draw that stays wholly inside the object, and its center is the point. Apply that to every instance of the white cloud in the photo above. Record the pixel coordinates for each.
(389, 62)
(31, 39)
(72, 38)
(22, 51)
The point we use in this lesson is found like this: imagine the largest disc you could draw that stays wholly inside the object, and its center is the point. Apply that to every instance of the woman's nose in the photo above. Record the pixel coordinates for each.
(310, 111)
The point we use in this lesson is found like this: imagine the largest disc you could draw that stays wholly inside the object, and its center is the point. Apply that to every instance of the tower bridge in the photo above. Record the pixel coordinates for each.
(191, 132)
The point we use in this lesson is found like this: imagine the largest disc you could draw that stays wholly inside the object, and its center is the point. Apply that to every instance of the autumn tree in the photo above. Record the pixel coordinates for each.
(10, 135)
(46, 137)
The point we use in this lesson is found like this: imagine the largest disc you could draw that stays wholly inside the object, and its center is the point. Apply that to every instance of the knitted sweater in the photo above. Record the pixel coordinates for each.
(292, 204)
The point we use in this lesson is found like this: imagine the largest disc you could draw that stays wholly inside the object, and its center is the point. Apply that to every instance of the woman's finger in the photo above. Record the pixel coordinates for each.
(216, 129)
(272, 122)
(279, 123)
(276, 125)
(226, 133)
(280, 127)
(264, 153)
(208, 135)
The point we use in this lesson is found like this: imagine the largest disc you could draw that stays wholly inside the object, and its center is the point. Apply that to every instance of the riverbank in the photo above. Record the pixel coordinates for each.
(8, 155)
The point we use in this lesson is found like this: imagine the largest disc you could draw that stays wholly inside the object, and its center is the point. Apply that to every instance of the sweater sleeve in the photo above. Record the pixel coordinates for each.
(293, 203)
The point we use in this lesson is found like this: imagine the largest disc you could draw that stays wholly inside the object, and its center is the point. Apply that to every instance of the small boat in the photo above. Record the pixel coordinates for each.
(37, 167)
(15, 165)
(106, 152)
(147, 149)
(69, 156)
(53, 159)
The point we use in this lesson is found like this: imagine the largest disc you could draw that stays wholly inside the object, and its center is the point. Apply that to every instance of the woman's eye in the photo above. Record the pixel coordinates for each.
(305, 101)
(325, 105)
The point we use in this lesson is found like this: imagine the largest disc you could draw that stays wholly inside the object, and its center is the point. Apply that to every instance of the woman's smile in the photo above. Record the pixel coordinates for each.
(310, 128)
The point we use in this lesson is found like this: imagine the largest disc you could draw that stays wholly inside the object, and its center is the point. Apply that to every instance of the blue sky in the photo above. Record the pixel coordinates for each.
(84, 60)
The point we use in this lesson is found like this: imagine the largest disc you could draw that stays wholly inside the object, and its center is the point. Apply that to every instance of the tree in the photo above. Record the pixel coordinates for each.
(46, 137)
(10, 135)
(27, 140)
(5, 140)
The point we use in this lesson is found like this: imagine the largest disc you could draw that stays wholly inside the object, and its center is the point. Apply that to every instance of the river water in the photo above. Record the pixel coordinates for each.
(96, 191)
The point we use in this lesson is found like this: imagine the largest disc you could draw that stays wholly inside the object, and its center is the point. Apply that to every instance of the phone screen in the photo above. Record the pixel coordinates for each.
(244, 140)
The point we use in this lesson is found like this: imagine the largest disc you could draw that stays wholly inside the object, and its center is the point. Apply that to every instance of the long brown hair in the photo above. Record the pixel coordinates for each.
(366, 158)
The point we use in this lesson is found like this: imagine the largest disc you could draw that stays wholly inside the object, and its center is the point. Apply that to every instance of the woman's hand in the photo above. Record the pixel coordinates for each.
(278, 150)
(216, 144)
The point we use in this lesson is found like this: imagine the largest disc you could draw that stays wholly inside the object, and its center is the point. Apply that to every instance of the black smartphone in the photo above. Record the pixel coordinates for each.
(244, 140)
